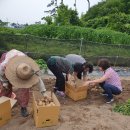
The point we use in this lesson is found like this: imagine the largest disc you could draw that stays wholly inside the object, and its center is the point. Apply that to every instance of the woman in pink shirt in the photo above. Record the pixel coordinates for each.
(109, 82)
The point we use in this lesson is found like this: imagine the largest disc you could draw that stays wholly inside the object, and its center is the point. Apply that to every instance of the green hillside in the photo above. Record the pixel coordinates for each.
(112, 14)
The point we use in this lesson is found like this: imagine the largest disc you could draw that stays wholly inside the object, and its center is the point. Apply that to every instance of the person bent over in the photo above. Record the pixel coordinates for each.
(20, 71)
(58, 66)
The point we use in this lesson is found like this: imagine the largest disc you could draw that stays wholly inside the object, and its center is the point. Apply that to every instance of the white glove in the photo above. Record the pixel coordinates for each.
(41, 86)
(5, 85)
(44, 93)
(1, 70)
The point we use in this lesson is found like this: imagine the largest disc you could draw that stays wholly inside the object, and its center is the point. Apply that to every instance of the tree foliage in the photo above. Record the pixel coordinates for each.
(66, 16)
(74, 32)
(2, 24)
(112, 14)
(48, 20)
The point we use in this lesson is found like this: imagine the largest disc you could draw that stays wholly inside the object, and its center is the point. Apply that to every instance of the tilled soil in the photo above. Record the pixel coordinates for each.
(91, 113)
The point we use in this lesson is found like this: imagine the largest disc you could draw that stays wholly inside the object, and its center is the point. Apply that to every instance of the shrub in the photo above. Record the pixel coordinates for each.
(123, 108)
(42, 64)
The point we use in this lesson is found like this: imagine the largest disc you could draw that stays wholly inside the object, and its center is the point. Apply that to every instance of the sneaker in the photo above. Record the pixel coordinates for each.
(110, 101)
(104, 94)
(60, 93)
(24, 112)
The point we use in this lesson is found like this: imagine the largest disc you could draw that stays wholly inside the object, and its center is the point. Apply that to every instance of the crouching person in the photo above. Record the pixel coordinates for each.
(19, 71)
(109, 82)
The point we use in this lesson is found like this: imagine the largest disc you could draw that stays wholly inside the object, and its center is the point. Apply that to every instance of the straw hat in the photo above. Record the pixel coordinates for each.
(20, 72)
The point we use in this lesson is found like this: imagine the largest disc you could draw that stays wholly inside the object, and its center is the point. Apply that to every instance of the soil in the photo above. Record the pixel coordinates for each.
(91, 113)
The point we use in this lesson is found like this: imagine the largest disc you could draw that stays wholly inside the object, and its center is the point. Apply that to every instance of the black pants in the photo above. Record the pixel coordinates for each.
(60, 79)
(79, 75)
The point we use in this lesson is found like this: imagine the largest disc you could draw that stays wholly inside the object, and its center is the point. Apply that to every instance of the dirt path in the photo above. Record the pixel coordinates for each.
(88, 114)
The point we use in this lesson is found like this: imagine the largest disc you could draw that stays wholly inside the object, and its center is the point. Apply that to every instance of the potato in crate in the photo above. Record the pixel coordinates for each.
(76, 90)
(46, 109)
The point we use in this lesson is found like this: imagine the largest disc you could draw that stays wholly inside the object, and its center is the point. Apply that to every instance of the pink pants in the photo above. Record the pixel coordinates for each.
(5, 92)
(22, 96)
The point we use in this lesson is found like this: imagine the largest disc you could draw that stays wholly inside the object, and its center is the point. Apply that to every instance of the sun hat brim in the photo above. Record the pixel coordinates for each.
(10, 72)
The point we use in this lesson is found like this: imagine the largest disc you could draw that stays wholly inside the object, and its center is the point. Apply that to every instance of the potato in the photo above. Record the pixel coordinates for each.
(44, 104)
(50, 99)
(42, 99)
(48, 105)
(40, 103)
(52, 104)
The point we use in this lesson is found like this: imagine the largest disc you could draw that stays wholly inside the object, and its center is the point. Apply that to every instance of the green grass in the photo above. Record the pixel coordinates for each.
(63, 48)
(60, 47)
(123, 108)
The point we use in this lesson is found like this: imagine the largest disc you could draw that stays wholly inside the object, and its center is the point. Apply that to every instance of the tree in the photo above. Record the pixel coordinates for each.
(74, 19)
(88, 4)
(127, 5)
(2, 24)
(48, 20)
(66, 16)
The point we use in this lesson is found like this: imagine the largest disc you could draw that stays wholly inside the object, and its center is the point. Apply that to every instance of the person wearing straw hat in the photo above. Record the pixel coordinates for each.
(20, 71)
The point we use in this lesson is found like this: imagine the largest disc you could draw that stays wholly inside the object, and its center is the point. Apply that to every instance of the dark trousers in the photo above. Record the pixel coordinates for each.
(60, 79)
(110, 89)
(79, 75)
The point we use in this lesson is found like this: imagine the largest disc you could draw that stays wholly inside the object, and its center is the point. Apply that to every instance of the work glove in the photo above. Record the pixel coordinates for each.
(2, 69)
(41, 86)
(44, 93)
(4, 82)
(5, 85)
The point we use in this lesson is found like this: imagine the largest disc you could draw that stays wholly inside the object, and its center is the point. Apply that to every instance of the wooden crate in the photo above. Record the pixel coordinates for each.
(5, 111)
(76, 92)
(46, 115)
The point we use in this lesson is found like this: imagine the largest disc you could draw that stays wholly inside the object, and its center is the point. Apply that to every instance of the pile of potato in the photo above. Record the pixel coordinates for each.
(45, 101)
(77, 83)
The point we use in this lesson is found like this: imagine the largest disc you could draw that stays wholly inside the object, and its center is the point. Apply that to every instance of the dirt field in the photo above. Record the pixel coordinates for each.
(89, 114)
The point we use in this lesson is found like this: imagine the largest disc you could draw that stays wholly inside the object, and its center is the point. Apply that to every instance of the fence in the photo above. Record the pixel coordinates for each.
(39, 46)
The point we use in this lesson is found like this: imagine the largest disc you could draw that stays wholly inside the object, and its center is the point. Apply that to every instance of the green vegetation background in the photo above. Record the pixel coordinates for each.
(108, 22)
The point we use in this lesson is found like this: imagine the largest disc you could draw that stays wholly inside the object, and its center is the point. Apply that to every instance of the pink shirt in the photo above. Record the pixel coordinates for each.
(112, 78)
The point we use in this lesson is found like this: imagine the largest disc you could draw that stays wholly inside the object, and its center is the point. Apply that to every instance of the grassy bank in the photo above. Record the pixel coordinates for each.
(63, 47)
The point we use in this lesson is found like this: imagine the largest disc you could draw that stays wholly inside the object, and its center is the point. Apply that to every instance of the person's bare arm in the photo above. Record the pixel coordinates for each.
(68, 76)
(96, 81)
(75, 75)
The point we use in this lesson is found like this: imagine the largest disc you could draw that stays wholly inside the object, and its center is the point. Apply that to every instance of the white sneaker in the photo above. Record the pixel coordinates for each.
(104, 94)
(110, 101)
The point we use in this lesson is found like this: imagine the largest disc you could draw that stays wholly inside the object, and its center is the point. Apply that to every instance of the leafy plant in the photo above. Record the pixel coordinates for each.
(42, 64)
(123, 108)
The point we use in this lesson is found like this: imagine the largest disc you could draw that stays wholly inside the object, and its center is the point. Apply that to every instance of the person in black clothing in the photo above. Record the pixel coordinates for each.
(80, 65)
(59, 65)
(80, 68)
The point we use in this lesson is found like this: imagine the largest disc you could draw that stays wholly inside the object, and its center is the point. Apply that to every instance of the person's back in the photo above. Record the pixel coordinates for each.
(59, 65)
(64, 65)
(74, 58)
